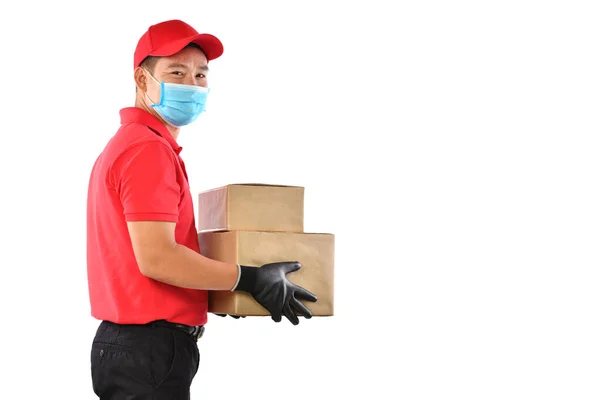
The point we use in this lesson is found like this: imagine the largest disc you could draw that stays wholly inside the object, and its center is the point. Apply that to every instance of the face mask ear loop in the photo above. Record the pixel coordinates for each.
(162, 90)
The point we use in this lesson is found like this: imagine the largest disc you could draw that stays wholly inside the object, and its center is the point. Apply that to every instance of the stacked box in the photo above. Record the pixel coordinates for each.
(256, 224)
(252, 207)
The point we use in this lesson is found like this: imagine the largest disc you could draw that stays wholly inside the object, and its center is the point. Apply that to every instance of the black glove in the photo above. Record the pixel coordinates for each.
(233, 316)
(272, 290)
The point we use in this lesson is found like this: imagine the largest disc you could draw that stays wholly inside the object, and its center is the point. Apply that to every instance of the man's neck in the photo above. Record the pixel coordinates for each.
(142, 104)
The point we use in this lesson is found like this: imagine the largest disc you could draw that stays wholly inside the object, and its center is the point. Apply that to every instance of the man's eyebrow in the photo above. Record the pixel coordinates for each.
(178, 65)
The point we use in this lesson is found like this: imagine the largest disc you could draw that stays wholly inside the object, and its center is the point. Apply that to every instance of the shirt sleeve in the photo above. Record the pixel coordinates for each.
(146, 182)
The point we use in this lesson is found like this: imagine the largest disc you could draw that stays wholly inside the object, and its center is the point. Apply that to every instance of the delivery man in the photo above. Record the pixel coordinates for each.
(148, 282)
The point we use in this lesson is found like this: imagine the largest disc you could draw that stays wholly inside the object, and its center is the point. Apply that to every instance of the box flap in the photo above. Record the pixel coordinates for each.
(249, 184)
(212, 189)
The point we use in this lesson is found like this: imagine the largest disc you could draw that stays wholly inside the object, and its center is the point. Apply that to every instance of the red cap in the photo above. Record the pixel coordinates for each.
(168, 37)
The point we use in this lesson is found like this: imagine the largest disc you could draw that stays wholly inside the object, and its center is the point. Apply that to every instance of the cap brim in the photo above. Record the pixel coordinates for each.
(210, 45)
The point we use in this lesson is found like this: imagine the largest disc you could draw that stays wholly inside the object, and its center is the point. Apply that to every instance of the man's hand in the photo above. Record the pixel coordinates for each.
(270, 287)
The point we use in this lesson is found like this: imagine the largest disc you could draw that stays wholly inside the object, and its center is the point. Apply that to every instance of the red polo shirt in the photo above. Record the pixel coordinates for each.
(139, 176)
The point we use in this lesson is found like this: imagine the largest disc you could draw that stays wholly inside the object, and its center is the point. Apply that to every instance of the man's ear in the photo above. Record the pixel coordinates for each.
(140, 79)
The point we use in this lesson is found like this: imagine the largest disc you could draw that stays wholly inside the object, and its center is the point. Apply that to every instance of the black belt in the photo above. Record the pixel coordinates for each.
(195, 331)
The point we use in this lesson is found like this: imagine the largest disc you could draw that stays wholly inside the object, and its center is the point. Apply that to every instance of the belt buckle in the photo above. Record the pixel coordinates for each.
(198, 332)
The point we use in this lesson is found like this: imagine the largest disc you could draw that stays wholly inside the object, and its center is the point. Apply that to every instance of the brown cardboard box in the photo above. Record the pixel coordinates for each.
(315, 251)
(252, 207)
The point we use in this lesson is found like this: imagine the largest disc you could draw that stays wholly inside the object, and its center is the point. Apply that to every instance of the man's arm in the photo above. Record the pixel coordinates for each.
(146, 180)
(161, 258)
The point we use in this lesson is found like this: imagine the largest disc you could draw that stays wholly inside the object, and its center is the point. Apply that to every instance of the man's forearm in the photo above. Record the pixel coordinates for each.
(183, 267)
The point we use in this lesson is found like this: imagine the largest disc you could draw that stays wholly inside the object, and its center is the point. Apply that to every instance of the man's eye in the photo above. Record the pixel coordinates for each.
(200, 76)
(177, 73)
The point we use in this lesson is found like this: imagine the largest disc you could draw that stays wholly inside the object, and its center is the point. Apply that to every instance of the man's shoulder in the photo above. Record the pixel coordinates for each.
(132, 136)
(135, 132)
(129, 142)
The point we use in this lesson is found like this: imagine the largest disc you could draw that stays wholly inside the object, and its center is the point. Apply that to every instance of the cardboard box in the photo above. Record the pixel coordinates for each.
(252, 207)
(315, 251)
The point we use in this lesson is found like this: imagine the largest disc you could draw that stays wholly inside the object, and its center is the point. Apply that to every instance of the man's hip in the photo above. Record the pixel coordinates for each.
(136, 361)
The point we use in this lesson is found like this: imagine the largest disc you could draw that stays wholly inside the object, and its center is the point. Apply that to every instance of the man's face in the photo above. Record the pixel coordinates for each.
(189, 67)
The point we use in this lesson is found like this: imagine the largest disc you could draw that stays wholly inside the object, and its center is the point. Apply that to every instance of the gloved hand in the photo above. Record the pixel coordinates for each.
(232, 316)
(270, 287)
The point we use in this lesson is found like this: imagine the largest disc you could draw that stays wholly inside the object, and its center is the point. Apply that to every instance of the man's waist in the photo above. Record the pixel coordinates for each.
(184, 306)
(196, 331)
(191, 314)
(125, 330)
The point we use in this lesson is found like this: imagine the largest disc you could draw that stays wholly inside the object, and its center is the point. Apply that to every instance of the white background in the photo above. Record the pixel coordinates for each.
(451, 147)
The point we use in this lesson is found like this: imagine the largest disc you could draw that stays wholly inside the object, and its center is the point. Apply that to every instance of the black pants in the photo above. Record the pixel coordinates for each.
(137, 362)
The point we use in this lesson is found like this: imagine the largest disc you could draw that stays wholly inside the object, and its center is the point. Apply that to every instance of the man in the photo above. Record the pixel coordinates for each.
(148, 282)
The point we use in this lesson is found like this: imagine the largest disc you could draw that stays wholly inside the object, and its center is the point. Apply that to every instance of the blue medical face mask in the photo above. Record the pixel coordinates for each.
(179, 104)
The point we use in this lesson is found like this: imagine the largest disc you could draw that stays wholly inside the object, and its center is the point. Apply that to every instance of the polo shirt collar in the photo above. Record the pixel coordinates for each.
(140, 116)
